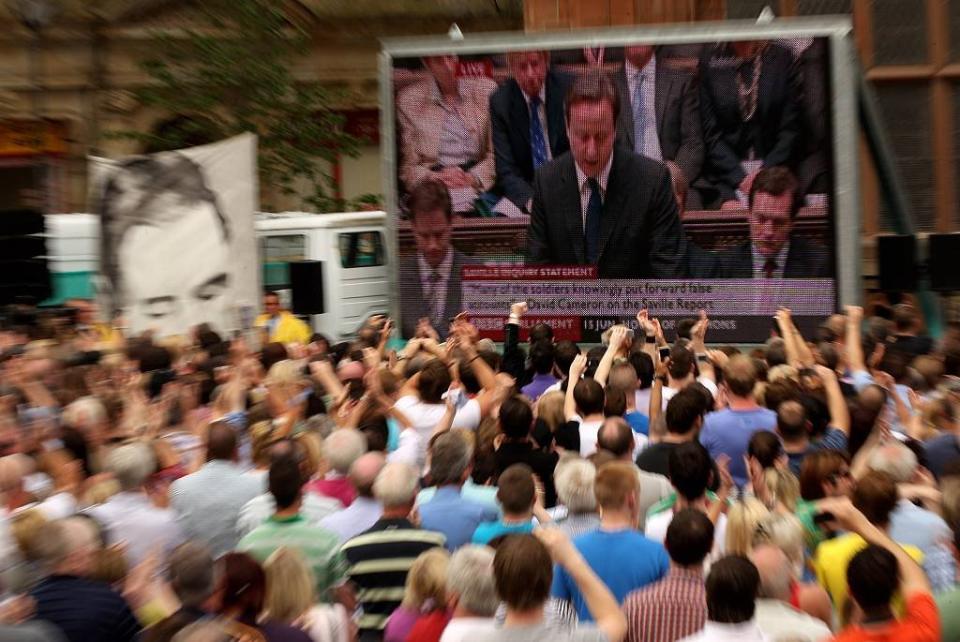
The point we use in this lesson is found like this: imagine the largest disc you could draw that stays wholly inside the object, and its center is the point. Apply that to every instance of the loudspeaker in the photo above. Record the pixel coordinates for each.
(897, 262)
(24, 274)
(943, 250)
(306, 287)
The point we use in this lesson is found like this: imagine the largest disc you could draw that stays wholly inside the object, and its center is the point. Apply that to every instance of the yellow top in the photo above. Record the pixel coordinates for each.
(288, 329)
(830, 564)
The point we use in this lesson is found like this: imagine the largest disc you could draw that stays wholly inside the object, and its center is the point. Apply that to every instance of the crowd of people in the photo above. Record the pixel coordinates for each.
(652, 488)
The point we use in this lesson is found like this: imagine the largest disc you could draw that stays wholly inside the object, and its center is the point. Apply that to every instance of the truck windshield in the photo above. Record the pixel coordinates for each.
(361, 249)
(276, 253)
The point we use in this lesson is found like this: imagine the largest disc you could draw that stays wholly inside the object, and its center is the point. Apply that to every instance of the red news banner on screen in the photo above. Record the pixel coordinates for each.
(579, 306)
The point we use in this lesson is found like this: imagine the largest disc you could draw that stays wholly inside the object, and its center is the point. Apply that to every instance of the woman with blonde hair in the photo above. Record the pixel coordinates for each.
(742, 520)
(548, 417)
(782, 490)
(424, 594)
(291, 599)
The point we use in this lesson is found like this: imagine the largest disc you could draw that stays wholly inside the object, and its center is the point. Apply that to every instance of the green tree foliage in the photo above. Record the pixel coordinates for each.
(231, 71)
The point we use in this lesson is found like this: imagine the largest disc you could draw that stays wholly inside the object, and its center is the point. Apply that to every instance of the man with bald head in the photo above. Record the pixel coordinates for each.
(208, 502)
(365, 509)
(618, 438)
(776, 618)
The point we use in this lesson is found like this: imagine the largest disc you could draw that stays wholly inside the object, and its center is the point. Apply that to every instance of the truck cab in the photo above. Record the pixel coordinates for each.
(351, 247)
(355, 257)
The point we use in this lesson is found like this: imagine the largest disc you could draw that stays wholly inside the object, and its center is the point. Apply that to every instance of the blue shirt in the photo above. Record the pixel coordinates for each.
(639, 422)
(910, 524)
(727, 432)
(457, 518)
(491, 530)
(485, 495)
(833, 440)
(941, 451)
(538, 385)
(624, 560)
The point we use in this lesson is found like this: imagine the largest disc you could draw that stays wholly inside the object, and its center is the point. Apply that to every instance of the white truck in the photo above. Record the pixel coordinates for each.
(352, 246)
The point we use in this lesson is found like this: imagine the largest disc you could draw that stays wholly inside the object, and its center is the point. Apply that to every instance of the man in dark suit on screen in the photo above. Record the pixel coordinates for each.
(431, 281)
(659, 112)
(526, 122)
(774, 251)
(602, 204)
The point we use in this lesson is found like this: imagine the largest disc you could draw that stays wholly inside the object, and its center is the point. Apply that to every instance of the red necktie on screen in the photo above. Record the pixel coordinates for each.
(769, 268)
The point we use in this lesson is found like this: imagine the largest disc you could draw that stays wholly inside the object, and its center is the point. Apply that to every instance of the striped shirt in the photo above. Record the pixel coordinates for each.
(378, 561)
(84, 610)
(319, 547)
(673, 608)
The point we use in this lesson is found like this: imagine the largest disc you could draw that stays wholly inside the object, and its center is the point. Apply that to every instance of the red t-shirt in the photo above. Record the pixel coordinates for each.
(921, 623)
(430, 627)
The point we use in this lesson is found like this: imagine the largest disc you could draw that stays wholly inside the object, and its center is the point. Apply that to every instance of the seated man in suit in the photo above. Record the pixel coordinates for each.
(430, 285)
(750, 105)
(601, 204)
(659, 112)
(444, 125)
(526, 116)
(773, 251)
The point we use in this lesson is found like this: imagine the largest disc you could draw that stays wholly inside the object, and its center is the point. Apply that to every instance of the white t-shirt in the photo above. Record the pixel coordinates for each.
(588, 437)
(463, 629)
(642, 402)
(424, 418)
(408, 449)
(667, 393)
(468, 415)
(656, 529)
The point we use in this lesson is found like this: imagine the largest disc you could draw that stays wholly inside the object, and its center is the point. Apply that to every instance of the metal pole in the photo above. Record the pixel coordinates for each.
(891, 187)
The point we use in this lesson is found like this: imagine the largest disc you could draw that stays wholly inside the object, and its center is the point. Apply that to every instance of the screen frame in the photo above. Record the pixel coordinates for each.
(842, 63)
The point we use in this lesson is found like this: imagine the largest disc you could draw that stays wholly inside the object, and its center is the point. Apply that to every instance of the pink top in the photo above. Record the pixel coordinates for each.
(334, 486)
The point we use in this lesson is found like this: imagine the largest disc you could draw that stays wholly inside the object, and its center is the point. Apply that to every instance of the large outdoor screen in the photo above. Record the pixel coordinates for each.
(593, 182)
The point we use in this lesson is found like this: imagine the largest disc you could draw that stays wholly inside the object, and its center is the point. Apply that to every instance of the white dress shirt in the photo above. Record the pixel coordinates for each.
(716, 632)
(354, 519)
(131, 518)
(313, 508)
(585, 188)
(778, 620)
(208, 503)
(435, 294)
(542, 115)
(648, 105)
(463, 629)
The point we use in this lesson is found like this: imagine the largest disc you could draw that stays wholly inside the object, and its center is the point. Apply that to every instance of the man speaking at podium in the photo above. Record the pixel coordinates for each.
(601, 205)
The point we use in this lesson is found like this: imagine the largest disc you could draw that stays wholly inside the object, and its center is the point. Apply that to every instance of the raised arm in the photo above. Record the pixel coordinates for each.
(912, 578)
(323, 372)
(698, 344)
(617, 337)
(514, 360)
(652, 335)
(853, 344)
(576, 370)
(600, 601)
(839, 413)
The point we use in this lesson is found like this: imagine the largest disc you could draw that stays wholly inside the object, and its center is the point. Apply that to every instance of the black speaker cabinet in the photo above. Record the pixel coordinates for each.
(306, 286)
(943, 265)
(897, 262)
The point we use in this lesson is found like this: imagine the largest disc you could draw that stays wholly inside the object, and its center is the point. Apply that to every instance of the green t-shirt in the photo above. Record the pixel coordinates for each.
(948, 604)
(319, 547)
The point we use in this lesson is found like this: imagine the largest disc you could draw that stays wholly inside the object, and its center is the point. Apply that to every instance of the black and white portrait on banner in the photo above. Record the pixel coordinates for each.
(177, 245)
